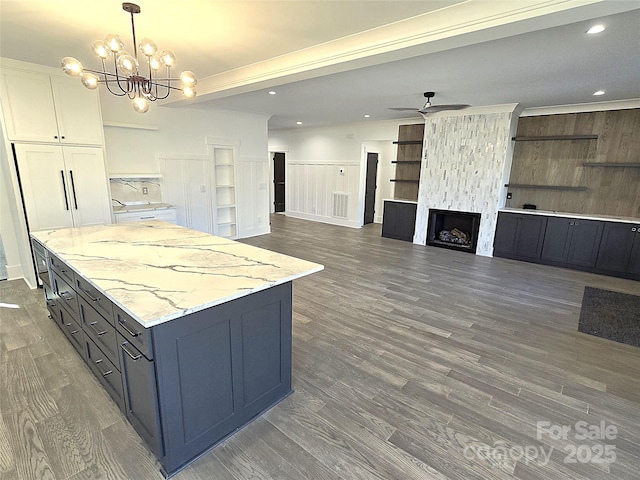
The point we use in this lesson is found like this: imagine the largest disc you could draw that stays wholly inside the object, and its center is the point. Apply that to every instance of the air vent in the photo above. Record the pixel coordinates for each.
(340, 204)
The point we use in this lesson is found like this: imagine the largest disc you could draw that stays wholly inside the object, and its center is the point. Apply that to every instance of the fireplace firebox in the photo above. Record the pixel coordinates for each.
(453, 229)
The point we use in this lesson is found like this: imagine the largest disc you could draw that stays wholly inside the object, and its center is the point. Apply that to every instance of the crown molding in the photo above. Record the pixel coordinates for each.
(582, 107)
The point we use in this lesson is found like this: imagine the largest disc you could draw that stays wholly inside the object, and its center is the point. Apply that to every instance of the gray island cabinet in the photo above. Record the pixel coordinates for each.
(190, 334)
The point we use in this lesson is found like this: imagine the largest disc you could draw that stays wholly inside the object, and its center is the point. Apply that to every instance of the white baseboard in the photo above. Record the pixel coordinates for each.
(322, 219)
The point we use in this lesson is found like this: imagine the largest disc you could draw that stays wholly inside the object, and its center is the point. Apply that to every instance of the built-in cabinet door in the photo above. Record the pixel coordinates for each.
(45, 186)
(531, 235)
(555, 243)
(585, 240)
(616, 246)
(506, 233)
(28, 106)
(634, 261)
(87, 183)
(77, 112)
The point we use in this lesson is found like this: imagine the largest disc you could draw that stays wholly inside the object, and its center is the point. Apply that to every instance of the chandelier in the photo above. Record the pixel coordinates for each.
(127, 79)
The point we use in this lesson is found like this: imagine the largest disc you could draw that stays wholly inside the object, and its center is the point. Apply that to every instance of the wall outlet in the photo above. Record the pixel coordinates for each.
(145, 191)
(509, 195)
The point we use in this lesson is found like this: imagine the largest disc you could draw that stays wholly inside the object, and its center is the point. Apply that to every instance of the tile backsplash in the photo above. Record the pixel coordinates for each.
(131, 190)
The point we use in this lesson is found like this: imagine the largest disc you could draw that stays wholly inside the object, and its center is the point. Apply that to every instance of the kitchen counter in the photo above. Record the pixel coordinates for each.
(190, 334)
(143, 207)
(156, 271)
(550, 213)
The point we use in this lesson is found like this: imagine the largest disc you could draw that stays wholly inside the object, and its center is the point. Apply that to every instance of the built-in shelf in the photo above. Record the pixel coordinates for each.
(135, 175)
(546, 187)
(407, 142)
(406, 161)
(612, 164)
(544, 138)
(402, 180)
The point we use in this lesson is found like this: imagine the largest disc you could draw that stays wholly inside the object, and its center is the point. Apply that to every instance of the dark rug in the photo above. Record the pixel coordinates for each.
(611, 315)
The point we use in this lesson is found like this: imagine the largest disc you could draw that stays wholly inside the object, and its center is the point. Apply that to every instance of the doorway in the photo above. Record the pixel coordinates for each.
(370, 188)
(278, 182)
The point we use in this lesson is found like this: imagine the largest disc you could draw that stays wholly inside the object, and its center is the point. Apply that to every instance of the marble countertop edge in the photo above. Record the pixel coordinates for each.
(551, 213)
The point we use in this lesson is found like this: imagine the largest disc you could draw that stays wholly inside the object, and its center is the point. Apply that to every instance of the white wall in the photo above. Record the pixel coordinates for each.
(134, 142)
(466, 162)
(315, 158)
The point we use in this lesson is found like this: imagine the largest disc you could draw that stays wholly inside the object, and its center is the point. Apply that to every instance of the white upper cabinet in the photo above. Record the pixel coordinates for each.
(39, 107)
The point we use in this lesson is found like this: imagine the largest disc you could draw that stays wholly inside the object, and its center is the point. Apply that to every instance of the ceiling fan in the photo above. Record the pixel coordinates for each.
(429, 108)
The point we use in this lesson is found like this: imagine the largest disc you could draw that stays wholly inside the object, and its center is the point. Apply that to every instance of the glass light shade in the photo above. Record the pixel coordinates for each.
(140, 105)
(127, 65)
(147, 46)
(113, 42)
(100, 49)
(155, 62)
(188, 78)
(188, 91)
(89, 80)
(168, 58)
(71, 66)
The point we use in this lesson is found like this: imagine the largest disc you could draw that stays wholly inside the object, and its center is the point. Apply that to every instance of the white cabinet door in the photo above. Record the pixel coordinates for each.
(28, 108)
(87, 186)
(77, 112)
(45, 186)
(41, 108)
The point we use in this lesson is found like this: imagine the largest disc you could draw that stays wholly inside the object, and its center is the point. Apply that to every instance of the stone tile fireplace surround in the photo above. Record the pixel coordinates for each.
(466, 162)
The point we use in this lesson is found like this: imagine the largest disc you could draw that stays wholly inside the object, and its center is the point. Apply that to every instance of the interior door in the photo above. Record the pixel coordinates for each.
(45, 187)
(370, 188)
(87, 186)
(278, 182)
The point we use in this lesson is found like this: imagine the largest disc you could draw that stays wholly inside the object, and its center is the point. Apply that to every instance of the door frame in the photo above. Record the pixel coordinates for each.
(272, 193)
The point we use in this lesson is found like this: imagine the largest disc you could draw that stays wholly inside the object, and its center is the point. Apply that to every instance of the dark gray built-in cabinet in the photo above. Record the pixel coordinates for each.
(399, 220)
(599, 246)
(184, 384)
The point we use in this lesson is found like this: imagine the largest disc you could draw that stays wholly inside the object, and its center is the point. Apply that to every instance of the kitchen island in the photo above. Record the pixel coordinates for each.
(189, 333)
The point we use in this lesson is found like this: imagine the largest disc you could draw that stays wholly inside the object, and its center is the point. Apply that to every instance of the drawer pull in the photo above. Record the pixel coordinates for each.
(96, 330)
(134, 356)
(91, 297)
(147, 218)
(104, 374)
(67, 296)
(131, 332)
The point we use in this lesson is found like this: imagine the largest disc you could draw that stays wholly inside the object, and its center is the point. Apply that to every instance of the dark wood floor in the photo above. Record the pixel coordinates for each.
(409, 362)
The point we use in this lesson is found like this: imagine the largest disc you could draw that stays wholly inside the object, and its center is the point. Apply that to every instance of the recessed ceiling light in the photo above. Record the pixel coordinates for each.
(272, 92)
(366, 115)
(298, 123)
(599, 92)
(596, 29)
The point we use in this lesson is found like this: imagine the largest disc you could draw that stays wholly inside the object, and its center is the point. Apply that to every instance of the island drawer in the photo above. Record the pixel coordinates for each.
(72, 330)
(51, 301)
(133, 332)
(61, 268)
(99, 330)
(106, 372)
(96, 299)
(42, 266)
(67, 296)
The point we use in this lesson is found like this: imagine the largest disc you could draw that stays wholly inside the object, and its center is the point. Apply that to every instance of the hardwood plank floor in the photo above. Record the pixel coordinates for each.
(409, 362)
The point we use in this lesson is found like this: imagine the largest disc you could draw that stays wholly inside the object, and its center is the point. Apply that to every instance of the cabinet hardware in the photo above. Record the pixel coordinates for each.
(73, 188)
(91, 297)
(126, 327)
(147, 218)
(104, 374)
(99, 333)
(64, 189)
(67, 296)
(134, 356)
(55, 136)
(633, 229)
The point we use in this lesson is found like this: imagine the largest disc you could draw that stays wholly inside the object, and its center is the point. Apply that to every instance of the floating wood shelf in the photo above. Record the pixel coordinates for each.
(546, 187)
(402, 180)
(408, 142)
(544, 138)
(406, 161)
(611, 164)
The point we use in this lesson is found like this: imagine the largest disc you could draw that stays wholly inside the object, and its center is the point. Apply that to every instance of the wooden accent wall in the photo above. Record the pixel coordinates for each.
(610, 189)
(408, 161)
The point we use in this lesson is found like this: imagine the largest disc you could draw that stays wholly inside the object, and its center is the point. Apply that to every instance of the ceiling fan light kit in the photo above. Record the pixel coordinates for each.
(429, 108)
(126, 79)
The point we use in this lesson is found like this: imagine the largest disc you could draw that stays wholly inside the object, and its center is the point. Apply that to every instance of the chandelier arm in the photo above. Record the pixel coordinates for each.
(106, 81)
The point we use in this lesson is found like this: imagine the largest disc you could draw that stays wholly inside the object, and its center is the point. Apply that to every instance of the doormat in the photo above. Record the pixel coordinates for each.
(611, 315)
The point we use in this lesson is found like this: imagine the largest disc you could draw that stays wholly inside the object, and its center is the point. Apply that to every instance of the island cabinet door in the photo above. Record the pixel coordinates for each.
(140, 394)
(219, 368)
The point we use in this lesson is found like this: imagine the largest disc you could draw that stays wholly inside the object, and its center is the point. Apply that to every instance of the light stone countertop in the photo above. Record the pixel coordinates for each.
(399, 200)
(550, 213)
(157, 271)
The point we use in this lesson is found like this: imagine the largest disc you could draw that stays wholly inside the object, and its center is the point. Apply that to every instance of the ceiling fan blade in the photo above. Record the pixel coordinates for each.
(404, 109)
(442, 108)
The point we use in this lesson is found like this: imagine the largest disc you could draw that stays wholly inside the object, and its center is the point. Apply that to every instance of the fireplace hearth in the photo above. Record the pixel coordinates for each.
(453, 229)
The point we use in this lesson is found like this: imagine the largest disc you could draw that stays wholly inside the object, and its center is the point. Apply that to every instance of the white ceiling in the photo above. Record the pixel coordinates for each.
(333, 61)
